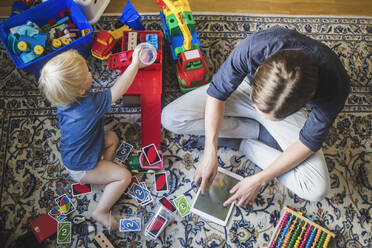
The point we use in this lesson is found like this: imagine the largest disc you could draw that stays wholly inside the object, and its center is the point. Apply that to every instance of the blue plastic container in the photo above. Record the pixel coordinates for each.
(40, 14)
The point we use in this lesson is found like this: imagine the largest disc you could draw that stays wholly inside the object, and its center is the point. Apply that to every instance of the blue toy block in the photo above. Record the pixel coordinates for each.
(153, 40)
(63, 20)
(27, 29)
(131, 17)
(12, 44)
(28, 57)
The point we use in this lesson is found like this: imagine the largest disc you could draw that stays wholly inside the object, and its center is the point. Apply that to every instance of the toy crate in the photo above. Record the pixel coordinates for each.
(40, 14)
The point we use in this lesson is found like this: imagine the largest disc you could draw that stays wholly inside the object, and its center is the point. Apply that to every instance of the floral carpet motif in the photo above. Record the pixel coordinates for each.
(32, 174)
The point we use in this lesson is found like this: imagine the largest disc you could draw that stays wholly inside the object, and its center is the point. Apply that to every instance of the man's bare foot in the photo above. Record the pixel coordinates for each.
(105, 219)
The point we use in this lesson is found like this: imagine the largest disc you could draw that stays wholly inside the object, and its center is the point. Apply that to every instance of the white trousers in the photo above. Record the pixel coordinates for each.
(309, 180)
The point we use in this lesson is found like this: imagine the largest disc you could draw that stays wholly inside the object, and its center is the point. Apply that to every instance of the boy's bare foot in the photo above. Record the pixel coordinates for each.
(104, 219)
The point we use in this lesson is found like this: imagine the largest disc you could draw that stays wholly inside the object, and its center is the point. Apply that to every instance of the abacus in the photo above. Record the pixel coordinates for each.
(297, 231)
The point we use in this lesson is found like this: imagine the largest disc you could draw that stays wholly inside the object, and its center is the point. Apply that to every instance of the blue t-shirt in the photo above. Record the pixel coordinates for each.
(333, 85)
(82, 133)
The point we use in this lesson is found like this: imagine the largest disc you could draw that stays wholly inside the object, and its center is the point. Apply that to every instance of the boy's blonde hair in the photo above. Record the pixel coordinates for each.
(62, 78)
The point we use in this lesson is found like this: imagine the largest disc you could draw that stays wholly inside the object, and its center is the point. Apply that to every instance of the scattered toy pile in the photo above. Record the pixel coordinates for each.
(30, 41)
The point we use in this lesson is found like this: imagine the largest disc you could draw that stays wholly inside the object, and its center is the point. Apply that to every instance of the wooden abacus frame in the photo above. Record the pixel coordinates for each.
(297, 215)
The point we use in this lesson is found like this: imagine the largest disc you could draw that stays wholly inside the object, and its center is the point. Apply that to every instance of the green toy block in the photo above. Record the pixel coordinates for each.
(179, 50)
(189, 20)
(173, 27)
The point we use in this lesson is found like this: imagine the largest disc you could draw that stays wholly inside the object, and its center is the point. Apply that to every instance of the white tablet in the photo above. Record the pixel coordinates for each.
(210, 205)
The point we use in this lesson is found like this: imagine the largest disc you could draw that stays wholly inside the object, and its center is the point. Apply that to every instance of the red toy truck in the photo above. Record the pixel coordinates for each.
(192, 71)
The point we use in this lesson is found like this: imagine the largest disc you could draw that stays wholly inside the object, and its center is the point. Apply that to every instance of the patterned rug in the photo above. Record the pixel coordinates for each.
(32, 174)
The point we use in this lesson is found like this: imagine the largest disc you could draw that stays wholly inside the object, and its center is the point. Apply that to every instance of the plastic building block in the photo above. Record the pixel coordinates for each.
(133, 165)
(29, 29)
(103, 241)
(118, 33)
(153, 40)
(132, 40)
(118, 60)
(43, 227)
(131, 17)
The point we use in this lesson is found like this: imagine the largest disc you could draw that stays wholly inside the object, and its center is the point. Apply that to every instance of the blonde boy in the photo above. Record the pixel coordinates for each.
(87, 150)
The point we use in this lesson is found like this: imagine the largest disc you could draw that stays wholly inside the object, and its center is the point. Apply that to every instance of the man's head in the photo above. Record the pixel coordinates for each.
(284, 83)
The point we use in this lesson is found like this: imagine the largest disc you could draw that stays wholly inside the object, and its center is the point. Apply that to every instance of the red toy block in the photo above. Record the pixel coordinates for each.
(43, 227)
(52, 21)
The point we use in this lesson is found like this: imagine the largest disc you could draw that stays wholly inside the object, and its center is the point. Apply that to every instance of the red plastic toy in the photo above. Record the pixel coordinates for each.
(192, 71)
(147, 84)
(103, 44)
(43, 227)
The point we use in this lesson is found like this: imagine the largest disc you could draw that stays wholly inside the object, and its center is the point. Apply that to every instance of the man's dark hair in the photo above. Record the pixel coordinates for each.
(284, 83)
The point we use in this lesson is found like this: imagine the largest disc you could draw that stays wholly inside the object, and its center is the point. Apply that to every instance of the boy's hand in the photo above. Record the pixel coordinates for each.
(135, 58)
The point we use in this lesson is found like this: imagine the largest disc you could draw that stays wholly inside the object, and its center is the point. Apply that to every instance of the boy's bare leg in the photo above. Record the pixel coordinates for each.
(111, 144)
(116, 178)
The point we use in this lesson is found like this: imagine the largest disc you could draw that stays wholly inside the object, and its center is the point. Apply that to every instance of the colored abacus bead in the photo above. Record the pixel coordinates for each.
(312, 235)
(328, 238)
(321, 240)
(307, 234)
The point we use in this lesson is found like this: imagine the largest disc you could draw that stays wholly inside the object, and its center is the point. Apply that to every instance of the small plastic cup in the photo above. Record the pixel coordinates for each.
(148, 53)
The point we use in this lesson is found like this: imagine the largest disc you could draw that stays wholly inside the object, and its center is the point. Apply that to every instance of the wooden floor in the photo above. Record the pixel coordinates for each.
(288, 7)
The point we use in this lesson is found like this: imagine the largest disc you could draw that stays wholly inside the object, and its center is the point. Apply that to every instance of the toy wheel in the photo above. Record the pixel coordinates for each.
(22, 46)
(56, 43)
(65, 41)
(38, 49)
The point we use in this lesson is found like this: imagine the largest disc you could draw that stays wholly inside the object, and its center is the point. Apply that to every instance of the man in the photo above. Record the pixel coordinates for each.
(258, 94)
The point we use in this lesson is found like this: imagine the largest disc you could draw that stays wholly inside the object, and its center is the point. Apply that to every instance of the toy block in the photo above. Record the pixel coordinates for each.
(131, 17)
(189, 20)
(132, 40)
(63, 20)
(117, 60)
(118, 33)
(103, 241)
(52, 21)
(173, 27)
(28, 29)
(43, 227)
(85, 32)
(153, 40)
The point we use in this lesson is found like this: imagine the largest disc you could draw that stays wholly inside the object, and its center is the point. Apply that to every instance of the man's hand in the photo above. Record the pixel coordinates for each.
(245, 191)
(206, 170)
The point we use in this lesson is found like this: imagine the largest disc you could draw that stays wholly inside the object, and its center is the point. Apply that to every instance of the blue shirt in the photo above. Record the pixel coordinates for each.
(82, 133)
(333, 84)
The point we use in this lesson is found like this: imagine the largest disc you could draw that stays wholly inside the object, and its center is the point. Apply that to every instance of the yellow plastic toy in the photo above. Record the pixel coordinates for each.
(22, 46)
(38, 49)
(176, 8)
